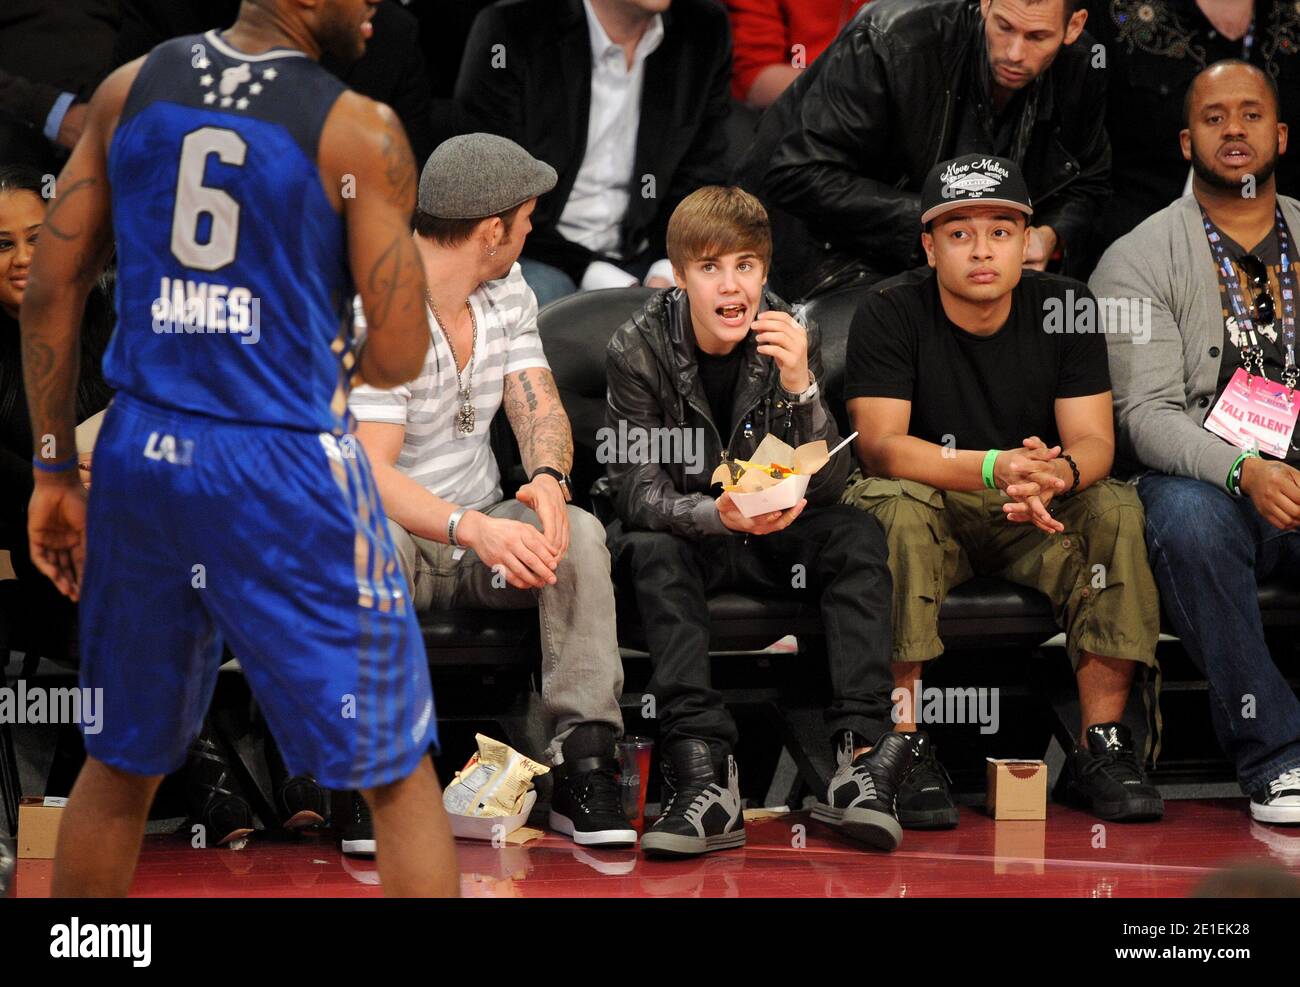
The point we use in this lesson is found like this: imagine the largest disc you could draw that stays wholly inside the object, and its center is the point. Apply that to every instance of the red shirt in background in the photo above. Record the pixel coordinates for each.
(764, 31)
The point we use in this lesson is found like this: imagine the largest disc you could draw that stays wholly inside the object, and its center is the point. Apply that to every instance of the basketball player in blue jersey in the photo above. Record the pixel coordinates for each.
(249, 192)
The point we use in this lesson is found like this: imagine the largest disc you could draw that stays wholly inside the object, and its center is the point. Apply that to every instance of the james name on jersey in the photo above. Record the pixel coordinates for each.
(184, 306)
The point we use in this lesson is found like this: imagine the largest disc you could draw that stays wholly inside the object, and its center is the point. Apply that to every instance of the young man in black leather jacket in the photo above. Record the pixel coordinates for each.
(716, 365)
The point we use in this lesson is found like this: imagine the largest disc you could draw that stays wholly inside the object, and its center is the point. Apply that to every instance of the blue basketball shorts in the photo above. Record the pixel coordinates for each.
(203, 532)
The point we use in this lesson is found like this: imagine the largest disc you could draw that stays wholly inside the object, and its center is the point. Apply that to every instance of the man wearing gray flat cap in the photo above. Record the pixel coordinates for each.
(462, 545)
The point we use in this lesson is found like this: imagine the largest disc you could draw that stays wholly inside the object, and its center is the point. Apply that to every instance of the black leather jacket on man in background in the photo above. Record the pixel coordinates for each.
(846, 147)
(654, 383)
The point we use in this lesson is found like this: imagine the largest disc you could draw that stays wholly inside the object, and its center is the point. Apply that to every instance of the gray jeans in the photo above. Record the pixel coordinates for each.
(582, 671)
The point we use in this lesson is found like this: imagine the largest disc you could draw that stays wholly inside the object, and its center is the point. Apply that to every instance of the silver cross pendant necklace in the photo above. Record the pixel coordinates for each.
(464, 385)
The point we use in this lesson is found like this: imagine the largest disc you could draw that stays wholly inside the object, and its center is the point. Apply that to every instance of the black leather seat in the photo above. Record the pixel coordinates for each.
(575, 332)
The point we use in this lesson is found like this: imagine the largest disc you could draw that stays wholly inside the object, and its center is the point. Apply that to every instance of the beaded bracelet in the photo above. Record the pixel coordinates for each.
(1073, 469)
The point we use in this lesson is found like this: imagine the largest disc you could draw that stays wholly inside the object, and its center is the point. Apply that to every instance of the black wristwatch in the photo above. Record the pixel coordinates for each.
(562, 478)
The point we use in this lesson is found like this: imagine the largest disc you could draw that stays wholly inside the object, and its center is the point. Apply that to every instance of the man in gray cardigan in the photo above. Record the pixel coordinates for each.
(1197, 301)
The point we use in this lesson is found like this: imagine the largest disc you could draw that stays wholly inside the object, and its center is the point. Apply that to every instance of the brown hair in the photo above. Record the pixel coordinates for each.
(716, 220)
(454, 232)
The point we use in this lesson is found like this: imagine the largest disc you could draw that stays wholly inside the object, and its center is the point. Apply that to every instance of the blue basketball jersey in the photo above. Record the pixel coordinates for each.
(233, 289)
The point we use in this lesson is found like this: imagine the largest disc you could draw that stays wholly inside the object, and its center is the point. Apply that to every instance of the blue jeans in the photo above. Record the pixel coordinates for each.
(548, 283)
(1209, 551)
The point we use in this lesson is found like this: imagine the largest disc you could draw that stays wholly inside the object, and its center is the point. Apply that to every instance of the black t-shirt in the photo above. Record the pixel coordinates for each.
(969, 391)
(718, 375)
(1270, 337)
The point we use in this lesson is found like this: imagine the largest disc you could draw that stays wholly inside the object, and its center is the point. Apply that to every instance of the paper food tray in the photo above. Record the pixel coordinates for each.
(780, 497)
(481, 827)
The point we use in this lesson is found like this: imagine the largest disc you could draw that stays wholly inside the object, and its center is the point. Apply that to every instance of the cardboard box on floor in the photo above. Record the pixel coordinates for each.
(1017, 789)
(38, 827)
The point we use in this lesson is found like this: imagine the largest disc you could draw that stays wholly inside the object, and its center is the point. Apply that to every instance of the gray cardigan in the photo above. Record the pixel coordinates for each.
(1164, 387)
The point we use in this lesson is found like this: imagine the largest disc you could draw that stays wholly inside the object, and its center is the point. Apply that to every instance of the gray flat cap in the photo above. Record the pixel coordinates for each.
(474, 176)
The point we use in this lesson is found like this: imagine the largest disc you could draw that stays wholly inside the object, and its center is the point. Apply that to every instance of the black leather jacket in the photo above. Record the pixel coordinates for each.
(653, 383)
(847, 146)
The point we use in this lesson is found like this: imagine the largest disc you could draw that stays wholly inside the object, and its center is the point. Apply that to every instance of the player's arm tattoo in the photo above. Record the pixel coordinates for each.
(539, 421)
(399, 169)
(393, 282)
(91, 252)
(51, 325)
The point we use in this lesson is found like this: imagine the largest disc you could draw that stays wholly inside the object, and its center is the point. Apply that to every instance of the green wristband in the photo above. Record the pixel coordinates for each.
(1234, 472)
(990, 458)
(1231, 470)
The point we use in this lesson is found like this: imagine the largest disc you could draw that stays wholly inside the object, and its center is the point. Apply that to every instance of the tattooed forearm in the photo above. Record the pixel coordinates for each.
(537, 416)
(50, 374)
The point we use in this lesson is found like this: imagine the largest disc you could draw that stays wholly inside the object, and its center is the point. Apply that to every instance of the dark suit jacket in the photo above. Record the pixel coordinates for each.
(48, 47)
(541, 97)
(391, 71)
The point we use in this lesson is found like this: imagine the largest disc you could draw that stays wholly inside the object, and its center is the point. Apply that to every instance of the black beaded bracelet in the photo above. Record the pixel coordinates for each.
(1073, 469)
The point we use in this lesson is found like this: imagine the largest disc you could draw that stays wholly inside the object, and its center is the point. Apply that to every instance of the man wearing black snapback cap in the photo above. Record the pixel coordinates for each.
(981, 396)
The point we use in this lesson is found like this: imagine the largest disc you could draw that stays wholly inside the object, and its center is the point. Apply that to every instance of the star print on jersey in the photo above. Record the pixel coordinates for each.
(227, 92)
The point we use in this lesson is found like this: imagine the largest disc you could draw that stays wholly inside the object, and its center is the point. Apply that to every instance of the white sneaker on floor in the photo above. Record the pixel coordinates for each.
(1278, 802)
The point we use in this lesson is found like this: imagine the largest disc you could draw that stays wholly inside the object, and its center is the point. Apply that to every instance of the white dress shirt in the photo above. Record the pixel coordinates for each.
(604, 184)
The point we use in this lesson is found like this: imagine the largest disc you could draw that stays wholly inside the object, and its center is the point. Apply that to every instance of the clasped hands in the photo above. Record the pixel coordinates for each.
(1031, 476)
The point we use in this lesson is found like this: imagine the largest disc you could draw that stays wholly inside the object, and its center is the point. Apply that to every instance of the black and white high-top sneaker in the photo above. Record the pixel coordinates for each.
(588, 804)
(1278, 802)
(925, 797)
(358, 835)
(701, 812)
(1106, 778)
(861, 795)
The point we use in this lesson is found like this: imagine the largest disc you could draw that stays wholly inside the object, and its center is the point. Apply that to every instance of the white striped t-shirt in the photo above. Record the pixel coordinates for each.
(459, 468)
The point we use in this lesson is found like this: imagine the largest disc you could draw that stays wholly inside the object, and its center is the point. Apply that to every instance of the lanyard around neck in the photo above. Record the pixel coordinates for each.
(1253, 354)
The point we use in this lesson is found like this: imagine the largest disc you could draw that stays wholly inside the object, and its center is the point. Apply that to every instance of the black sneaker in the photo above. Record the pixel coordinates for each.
(588, 804)
(1278, 802)
(924, 798)
(860, 797)
(209, 787)
(1107, 780)
(301, 802)
(358, 835)
(699, 814)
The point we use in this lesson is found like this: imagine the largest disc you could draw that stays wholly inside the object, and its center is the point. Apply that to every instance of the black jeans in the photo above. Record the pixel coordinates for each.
(843, 554)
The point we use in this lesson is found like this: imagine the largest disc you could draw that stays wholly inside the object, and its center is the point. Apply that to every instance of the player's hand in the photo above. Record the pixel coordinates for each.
(517, 550)
(763, 524)
(785, 341)
(56, 530)
(546, 497)
(1274, 488)
(1042, 244)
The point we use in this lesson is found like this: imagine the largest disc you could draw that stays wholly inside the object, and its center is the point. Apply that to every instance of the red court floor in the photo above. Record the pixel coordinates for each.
(1069, 855)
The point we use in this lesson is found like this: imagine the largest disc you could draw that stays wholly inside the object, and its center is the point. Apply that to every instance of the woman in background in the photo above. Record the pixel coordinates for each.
(41, 621)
